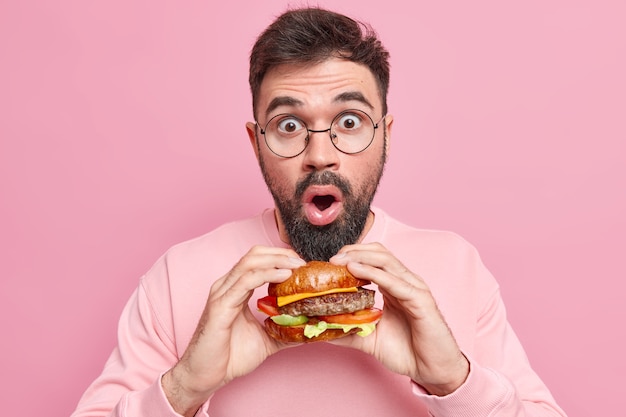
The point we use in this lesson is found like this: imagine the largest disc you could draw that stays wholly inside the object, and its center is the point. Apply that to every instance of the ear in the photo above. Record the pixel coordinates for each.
(252, 136)
(388, 126)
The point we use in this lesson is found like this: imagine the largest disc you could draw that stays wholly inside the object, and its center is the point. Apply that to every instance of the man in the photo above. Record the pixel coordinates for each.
(191, 341)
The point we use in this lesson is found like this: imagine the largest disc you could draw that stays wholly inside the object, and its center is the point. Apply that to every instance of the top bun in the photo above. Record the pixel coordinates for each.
(316, 276)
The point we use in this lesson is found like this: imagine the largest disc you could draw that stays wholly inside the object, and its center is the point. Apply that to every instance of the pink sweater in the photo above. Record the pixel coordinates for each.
(318, 379)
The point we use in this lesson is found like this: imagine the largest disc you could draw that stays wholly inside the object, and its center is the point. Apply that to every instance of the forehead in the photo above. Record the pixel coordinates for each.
(330, 85)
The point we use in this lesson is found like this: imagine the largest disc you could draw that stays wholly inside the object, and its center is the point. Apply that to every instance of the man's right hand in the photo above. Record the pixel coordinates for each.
(228, 342)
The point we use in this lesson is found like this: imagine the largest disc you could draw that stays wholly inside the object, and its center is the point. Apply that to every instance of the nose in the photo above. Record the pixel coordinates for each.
(320, 153)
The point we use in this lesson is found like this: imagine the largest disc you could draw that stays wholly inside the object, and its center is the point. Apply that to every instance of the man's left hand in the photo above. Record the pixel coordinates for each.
(412, 337)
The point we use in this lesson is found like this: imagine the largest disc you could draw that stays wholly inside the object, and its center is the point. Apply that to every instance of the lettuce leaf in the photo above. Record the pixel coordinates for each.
(287, 320)
(313, 330)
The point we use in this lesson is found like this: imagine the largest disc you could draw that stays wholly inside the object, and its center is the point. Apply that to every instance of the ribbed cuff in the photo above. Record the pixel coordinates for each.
(152, 402)
(483, 392)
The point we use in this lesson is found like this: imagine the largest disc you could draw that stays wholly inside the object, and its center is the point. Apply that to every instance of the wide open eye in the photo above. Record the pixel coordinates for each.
(349, 122)
(289, 125)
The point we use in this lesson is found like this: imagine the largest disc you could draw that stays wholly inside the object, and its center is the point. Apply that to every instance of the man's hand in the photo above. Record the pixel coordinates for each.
(412, 338)
(228, 342)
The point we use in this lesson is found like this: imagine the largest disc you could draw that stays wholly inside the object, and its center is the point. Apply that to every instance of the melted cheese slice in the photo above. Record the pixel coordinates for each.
(281, 301)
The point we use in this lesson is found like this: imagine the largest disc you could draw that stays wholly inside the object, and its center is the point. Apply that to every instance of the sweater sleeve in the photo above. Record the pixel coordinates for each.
(501, 382)
(150, 402)
(129, 384)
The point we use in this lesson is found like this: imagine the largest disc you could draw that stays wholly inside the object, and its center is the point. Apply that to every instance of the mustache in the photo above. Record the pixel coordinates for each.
(323, 178)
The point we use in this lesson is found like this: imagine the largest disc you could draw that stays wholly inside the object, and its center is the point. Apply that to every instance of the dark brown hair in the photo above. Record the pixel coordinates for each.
(313, 35)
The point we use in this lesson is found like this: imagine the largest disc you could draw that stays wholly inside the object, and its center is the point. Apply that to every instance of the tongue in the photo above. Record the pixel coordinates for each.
(322, 210)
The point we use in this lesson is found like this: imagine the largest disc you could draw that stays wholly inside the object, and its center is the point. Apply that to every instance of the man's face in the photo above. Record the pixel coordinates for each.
(322, 196)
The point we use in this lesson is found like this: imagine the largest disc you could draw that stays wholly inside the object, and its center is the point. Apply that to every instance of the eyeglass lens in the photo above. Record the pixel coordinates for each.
(351, 131)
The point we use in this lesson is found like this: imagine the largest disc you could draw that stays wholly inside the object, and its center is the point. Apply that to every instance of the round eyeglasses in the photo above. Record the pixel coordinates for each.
(351, 131)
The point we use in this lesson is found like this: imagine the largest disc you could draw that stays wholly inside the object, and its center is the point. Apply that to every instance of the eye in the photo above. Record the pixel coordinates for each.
(349, 121)
(289, 124)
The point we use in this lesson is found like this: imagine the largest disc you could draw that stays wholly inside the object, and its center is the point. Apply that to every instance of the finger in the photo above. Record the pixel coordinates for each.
(235, 293)
(276, 263)
(377, 256)
(404, 286)
(263, 257)
(374, 254)
(351, 341)
(375, 263)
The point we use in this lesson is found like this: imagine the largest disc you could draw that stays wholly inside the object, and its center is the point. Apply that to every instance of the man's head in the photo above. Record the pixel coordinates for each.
(312, 35)
(319, 85)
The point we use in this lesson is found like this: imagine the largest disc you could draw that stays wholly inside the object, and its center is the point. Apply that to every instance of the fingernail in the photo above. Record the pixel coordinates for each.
(357, 265)
(297, 261)
(283, 273)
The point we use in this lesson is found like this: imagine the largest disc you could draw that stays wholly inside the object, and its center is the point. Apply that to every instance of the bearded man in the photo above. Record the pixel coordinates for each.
(191, 341)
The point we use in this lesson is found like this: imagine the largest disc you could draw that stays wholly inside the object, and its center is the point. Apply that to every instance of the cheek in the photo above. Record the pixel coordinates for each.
(365, 173)
(280, 177)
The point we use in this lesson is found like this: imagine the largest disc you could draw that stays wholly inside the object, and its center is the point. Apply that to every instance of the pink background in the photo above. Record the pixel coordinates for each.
(122, 133)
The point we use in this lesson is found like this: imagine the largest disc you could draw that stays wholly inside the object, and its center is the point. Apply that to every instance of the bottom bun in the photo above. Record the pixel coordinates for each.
(295, 334)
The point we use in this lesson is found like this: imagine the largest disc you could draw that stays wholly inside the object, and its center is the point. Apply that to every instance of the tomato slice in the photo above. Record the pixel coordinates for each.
(367, 315)
(268, 305)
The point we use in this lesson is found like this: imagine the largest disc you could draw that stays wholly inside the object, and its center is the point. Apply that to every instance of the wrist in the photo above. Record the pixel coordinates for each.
(183, 400)
(453, 381)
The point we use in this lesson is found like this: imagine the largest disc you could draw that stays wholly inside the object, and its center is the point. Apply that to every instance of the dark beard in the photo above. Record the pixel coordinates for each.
(322, 242)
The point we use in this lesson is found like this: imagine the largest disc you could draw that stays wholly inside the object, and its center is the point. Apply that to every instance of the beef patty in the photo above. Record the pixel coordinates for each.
(326, 305)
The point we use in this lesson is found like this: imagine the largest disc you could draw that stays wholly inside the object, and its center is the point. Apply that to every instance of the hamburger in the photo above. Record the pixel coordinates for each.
(320, 301)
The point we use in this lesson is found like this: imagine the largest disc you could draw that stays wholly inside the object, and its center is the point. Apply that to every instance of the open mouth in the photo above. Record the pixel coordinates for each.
(322, 202)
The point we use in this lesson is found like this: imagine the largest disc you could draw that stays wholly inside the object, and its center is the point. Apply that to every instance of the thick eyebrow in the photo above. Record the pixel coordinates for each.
(353, 96)
(294, 102)
(282, 101)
